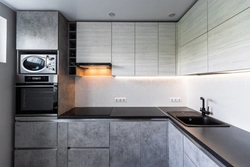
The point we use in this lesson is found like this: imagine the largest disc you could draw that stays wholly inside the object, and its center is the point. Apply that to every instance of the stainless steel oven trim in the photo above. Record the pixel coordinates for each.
(21, 78)
(34, 86)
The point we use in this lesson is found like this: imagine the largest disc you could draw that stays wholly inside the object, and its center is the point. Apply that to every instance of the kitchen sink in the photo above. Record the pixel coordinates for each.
(200, 121)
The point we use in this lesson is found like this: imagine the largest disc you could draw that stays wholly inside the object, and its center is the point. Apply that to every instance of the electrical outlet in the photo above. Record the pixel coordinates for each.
(175, 99)
(120, 99)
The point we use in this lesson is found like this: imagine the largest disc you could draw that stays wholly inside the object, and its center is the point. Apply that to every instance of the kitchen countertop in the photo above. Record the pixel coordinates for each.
(230, 145)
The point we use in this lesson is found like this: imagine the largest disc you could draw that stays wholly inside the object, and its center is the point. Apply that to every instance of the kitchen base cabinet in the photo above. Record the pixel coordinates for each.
(88, 134)
(198, 157)
(36, 158)
(175, 141)
(138, 144)
(154, 144)
(88, 158)
(124, 144)
(35, 134)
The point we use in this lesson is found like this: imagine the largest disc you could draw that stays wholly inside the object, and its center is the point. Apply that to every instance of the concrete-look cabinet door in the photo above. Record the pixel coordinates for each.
(220, 11)
(93, 42)
(188, 162)
(154, 144)
(125, 144)
(35, 158)
(88, 158)
(198, 157)
(175, 144)
(88, 134)
(35, 134)
(167, 49)
(229, 44)
(194, 23)
(194, 56)
(123, 49)
(146, 51)
(37, 30)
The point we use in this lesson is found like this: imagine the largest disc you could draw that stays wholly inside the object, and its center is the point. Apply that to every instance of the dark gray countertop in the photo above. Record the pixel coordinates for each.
(230, 145)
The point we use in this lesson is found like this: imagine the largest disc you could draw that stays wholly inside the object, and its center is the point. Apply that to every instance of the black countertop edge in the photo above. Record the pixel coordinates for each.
(211, 151)
(112, 117)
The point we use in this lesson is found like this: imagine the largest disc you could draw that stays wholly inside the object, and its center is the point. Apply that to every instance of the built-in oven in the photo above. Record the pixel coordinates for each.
(37, 64)
(36, 96)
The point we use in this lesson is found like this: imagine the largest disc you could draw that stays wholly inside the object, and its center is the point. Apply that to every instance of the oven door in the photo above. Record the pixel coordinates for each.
(36, 99)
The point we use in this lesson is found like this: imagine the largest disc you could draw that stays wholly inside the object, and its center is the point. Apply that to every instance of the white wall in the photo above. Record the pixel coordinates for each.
(7, 85)
(228, 94)
(140, 91)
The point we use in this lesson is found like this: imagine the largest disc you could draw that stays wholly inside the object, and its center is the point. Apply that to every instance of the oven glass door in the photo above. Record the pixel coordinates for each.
(36, 99)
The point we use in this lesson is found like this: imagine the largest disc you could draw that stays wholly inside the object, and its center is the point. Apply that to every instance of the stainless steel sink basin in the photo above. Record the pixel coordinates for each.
(200, 121)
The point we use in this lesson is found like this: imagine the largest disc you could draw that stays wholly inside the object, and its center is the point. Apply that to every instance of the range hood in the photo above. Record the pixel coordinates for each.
(94, 65)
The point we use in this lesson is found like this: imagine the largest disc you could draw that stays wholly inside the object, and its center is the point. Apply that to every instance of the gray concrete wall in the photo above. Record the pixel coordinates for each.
(7, 91)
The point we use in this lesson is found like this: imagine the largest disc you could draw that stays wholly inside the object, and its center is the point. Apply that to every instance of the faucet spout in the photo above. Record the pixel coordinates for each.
(202, 109)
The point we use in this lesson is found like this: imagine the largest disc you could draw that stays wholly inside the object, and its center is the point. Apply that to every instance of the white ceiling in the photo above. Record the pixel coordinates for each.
(98, 10)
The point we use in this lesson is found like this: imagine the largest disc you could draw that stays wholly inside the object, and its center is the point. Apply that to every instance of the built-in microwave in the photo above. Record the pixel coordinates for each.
(38, 64)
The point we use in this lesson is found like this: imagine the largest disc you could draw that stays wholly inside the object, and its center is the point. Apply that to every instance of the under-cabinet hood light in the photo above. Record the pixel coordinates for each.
(95, 65)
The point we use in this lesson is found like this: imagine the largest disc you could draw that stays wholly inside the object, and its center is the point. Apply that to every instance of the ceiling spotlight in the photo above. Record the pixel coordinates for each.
(111, 14)
(171, 15)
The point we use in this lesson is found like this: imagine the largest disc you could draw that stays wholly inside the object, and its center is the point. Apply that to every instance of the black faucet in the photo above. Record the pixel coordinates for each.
(204, 112)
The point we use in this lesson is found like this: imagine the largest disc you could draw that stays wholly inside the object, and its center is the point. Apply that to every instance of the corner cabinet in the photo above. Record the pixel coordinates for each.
(37, 30)
(93, 42)
(184, 152)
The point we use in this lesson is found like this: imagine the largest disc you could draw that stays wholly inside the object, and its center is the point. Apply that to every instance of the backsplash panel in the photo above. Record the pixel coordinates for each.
(139, 91)
(227, 95)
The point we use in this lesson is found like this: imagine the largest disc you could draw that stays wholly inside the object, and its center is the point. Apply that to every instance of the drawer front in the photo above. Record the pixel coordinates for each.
(88, 158)
(88, 134)
(35, 158)
(35, 134)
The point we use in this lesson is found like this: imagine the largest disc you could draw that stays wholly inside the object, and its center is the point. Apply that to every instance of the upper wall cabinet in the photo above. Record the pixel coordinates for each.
(166, 49)
(229, 44)
(37, 30)
(123, 49)
(194, 22)
(146, 59)
(93, 42)
(194, 56)
(220, 11)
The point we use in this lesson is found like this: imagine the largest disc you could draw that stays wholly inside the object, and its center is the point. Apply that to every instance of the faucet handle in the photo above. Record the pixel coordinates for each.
(207, 108)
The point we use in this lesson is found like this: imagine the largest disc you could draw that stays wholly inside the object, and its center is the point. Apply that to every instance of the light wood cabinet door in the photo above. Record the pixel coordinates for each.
(146, 58)
(93, 42)
(229, 44)
(194, 56)
(194, 23)
(37, 30)
(88, 134)
(35, 134)
(220, 11)
(167, 49)
(123, 49)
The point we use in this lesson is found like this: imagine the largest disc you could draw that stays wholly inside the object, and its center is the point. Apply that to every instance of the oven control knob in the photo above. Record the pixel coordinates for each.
(52, 58)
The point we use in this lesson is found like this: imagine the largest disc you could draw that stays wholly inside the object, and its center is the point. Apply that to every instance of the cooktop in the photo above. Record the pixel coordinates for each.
(113, 112)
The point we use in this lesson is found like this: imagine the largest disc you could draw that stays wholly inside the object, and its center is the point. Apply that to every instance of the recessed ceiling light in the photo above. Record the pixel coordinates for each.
(111, 14)
(171, 15)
